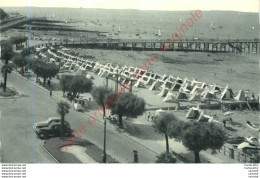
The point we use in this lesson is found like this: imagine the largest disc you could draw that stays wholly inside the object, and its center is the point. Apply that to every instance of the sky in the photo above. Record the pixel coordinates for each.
(168, 5)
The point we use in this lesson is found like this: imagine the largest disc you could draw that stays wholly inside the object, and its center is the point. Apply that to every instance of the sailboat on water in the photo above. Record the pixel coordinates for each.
(134, 22)
(119, 29)
(159, 33)
(212, 25)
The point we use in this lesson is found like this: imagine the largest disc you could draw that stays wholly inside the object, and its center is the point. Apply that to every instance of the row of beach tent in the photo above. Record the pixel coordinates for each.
(170, 87)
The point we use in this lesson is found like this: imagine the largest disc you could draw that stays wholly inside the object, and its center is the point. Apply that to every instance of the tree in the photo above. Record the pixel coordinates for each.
(127, 105)
(100, 95)
(3, 14)
(35, 66)
(65, 82)
(6, 55)
(18, 40)
(45, 70)
(6, 69)
(200, 136)
(62, 110)
(20, 61)
(163, 125)
(80, 84)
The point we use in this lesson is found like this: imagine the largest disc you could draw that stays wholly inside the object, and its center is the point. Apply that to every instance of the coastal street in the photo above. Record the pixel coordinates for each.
(37, 105)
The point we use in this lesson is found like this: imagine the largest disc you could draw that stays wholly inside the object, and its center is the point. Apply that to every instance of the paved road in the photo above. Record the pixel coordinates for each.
(19, 144)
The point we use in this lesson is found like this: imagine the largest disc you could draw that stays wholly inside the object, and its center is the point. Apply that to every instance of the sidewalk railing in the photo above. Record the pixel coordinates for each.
(236, 154)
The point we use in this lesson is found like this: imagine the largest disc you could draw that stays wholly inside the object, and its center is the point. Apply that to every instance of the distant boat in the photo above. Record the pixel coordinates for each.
(134, 22)
(212, 25)
(253, 28)
(119, 29)
(180, 19)
(159, 33)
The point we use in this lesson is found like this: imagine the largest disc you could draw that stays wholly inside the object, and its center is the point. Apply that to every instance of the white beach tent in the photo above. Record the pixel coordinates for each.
(164, 77)
(167, 84)
(139, 84)
(194, 97)
(227, 94)
(176, 86)
(197, 89)
(169, 97)
(160, 112)
(144, 79)
(204, 117)
(101, 70)
(163, 92)
(208, 95)
(181, 96)
(193, 113)
(105, 73)
(240, 96)
(150, 81)
(156, 85)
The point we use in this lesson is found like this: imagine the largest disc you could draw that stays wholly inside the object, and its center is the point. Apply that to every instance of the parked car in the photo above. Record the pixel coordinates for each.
(48, 122)
(53, 130)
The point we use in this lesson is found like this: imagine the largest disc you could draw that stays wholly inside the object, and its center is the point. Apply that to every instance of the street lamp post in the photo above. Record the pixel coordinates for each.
(104, 157)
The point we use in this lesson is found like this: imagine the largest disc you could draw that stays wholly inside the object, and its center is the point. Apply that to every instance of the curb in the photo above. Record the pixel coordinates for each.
(50, 154)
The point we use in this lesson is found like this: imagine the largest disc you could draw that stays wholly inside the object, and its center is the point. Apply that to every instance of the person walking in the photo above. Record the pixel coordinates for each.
(152, 117)
(50, 93)
(148, 116)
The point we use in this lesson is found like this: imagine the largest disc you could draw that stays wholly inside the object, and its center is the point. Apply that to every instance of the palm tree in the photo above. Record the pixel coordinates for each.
(100, 95)
(6, 55)
(62, 110)
(163, 125)
(6, 69)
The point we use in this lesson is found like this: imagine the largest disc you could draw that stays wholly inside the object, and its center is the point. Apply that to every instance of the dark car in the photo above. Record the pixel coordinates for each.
(47, 122)
(53, 130)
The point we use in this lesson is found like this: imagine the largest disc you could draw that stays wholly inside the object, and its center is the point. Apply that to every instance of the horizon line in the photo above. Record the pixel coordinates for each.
(126, 9)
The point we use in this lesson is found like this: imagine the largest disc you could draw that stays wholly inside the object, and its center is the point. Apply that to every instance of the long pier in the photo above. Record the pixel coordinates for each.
(149, 44)
(160, 45)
